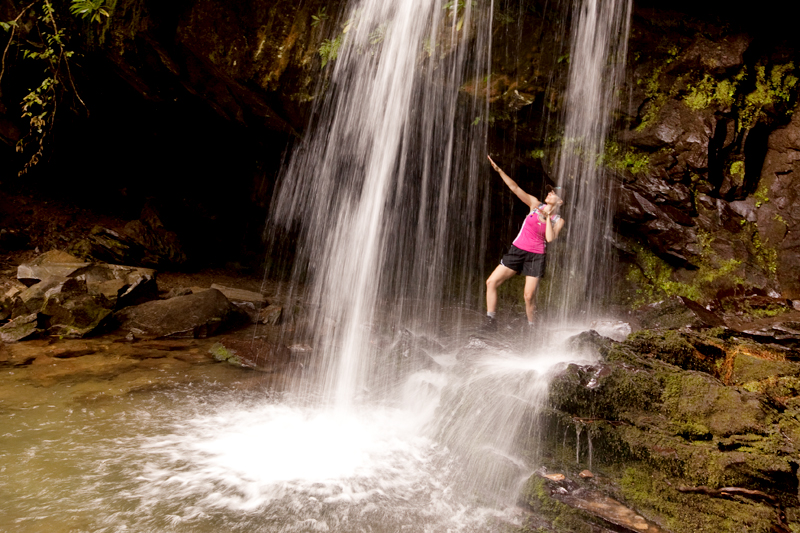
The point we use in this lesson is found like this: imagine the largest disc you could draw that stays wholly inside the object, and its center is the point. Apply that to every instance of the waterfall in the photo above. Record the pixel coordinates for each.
(599, 40)
(384, 195)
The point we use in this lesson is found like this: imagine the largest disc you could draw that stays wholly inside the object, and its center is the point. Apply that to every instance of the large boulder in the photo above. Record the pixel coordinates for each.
(196, 315)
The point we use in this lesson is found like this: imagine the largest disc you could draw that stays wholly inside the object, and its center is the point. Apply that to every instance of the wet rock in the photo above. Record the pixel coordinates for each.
(677, 312)
(569, 506)
(75, 313)
(50, 264)
(177, 291)
(77, 305)
(672, 427)
(21, 328)
(248, 309)
(160, 246)
(240, 295)
(195, 315)
(32, 299)
(411, 352)
(271, 315)
(121, 285)
(717, 57)
(141, 242)
(112, 246)
(255, 354)
(669, 239)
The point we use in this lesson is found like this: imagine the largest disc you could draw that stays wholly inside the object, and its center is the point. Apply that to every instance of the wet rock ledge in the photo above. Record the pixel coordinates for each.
(685, 428)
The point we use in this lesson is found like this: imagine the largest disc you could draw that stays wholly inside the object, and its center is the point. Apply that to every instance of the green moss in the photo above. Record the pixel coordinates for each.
(655, 494)
(737, 169)
(766, 256)
(625, 159)
(708, 91)
(223, 354)
(563, 519)
(760, 195)
(653, 276)
(773, 86)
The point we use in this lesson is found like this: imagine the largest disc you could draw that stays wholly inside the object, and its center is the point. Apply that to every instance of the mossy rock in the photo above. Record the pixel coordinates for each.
(672, 347)
(657, 496)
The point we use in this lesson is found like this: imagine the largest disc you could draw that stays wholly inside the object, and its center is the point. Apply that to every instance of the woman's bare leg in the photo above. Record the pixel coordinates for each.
(531, 285)
(500, 274)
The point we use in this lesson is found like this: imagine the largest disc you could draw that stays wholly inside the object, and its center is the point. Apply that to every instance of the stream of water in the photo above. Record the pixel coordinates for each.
(385, 206)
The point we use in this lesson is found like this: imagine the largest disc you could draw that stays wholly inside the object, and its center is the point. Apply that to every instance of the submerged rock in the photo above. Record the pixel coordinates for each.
(255, 354)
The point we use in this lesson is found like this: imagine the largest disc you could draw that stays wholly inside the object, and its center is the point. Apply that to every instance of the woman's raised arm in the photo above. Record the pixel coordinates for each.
(529, 200)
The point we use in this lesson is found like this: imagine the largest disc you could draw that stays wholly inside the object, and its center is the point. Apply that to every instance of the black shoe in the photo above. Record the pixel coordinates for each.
(489, 325)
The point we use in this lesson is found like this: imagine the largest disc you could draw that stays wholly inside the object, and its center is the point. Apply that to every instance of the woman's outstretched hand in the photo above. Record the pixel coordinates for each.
(494, 165)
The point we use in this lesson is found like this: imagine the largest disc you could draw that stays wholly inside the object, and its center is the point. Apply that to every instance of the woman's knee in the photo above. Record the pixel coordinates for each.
(529, 296)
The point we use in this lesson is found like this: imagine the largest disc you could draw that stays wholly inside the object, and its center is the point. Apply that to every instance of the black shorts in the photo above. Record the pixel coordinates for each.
(526, 263)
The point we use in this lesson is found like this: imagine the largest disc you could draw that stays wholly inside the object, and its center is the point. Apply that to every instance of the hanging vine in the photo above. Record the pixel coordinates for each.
(47, 44)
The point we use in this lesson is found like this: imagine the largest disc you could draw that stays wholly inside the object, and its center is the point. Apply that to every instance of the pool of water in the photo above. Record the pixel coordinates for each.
(173, 446)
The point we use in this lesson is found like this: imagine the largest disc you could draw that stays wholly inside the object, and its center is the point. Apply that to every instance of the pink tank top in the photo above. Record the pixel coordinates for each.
(531, 237)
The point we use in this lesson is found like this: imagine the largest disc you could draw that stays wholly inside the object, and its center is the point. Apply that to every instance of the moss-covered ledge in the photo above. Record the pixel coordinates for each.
(669, 430)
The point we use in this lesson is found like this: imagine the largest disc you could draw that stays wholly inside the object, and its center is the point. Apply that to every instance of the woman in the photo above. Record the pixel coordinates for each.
(528, 252)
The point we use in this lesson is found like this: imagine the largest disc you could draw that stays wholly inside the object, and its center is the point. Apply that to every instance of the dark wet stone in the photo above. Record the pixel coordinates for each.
(677, 312)
(21, 328)
(141, 242)
(196, 315)
(240, 295)
(271, 315)
(32, 299)
(75, 314)
(121, 285)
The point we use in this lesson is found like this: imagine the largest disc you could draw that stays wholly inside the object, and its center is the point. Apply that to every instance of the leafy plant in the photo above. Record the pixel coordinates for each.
(319, 18)
(93, 10)
(329, 49)
(40, 105)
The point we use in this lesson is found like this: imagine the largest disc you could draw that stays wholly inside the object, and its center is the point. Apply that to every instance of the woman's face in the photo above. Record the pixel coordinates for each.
(552, 198)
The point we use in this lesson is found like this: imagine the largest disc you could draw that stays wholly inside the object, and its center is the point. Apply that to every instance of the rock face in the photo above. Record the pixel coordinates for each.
(714, 133)
(697, 433)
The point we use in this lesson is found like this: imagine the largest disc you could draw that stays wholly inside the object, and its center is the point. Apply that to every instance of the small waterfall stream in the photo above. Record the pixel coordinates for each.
(598, 49)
